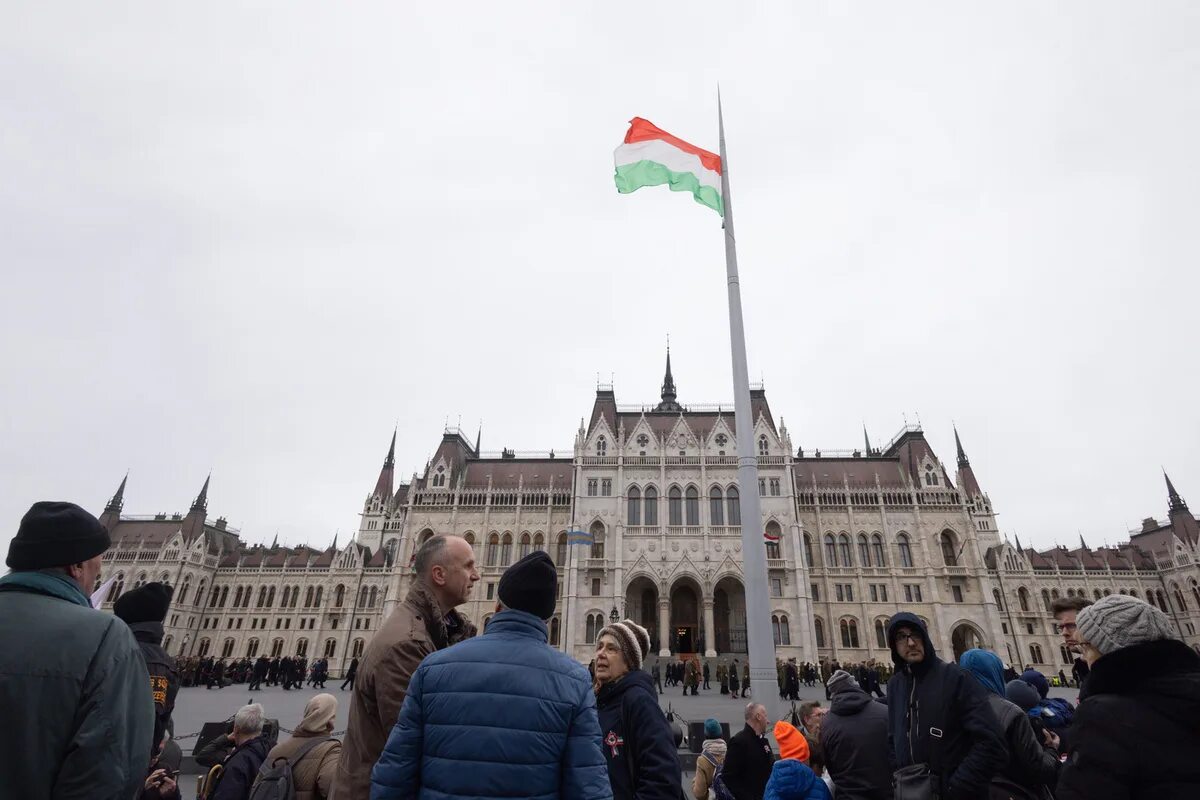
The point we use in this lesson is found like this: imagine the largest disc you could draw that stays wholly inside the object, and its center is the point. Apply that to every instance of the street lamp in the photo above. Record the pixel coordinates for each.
(613, 616)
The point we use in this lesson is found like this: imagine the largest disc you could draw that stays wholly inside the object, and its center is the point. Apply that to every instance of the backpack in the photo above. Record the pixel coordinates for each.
(276, 782)
(718, 790)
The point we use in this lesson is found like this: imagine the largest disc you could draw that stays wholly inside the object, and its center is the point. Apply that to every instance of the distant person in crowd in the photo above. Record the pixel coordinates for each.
(1055, 712)
(710, 760)
(261, 668)
(144, 610)
(74, 689)
(706, 676)
(748, 762)
(1065, 611)
(521, 713)
(791, 778)
(734, 674)
(811, 717)
(1032, 768)
(871, 684)
(1137, 731)
(854, 741)
(723, 678)
(636, 740)
(241, 764)
(162, 783)
(746, 679)
(936, 705)
(350, 675)
(655, 673)
(424, 623)
(311, 752)
(791, 680)
(691, 677)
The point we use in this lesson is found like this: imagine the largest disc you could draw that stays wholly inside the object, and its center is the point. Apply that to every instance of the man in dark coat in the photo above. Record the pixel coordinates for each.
(350, 674)
(241, 765)
(706, 675)
(870, 684)
(261, 668)
(938, 715)
(791, 680)
(854, 742)
(749, 759)
(144, 610)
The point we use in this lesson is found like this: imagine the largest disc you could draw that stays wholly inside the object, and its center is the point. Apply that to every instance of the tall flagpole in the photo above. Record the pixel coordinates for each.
(764, 686)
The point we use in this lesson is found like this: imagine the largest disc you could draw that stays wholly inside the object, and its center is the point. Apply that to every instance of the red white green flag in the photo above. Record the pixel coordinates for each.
(651, 157)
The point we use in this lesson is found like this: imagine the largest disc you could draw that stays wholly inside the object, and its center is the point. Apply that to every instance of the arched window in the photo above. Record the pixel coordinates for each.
(634, 506)
(227, 648)
(119, 587)
(539, 543)
(339, 596)
(141, 581)
(819, 631)
(1054, 594)
(881, 634)
(362, 597)
(595, 623)
(785, 631)
(493, 550)
(733, 504)
(214, 596)
(931, 478)
(601, 446)
(183, 595)
(849, 628)
(330, 647)
(224, 596)
(302, 647)
(555, 627)
(692, 506)
(999, 601)
(1035, 653)
(844, 550)
(808, 554)
(1195, 592)
(320, 590)
(1023, 598)
(651, 506)
(877, 549)
(1046, 598)
(864, 550)
(830, 551)
(237, 597)
(203, 649)
(906, 559)
(200, 594)
(772, 539)
(716, 506)
(523, 547)
(506, 549)
(674, 506)
(763, 446)
(252, 648)
(166, 645)
(775, 630)
(373, 597)
(262, 597)
(1179, 598)
(1162, 601)
(356, 650)
(949, 551)
(1133, 593)
(1064, 655)
(425, 536)
(597, 531)
(560, 550)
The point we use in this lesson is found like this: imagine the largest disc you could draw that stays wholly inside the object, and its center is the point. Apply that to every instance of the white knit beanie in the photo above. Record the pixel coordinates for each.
(634, 641)
(1118, 621)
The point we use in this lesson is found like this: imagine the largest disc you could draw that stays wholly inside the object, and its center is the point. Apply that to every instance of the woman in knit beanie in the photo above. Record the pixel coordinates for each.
(636, 740)
(1135, 733)
(712, 756)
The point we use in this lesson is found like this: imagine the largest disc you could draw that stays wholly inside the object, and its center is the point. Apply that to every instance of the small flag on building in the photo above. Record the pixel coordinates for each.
(651, 157)
(579, 537)
(770, 537)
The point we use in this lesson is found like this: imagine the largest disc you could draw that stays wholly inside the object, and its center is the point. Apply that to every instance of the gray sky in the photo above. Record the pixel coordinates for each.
(253, 239)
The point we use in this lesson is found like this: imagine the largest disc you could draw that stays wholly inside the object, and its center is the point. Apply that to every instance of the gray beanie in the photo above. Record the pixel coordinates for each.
(840, 681)
(1118, 621)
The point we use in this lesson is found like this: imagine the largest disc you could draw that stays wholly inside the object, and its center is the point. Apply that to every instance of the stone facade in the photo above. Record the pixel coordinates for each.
(851, 537)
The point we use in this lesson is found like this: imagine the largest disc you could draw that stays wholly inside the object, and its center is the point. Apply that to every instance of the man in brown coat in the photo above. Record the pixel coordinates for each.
(425, 622)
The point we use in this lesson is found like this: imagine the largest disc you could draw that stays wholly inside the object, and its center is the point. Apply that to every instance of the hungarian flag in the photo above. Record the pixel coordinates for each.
(651, 157)
(770, 538)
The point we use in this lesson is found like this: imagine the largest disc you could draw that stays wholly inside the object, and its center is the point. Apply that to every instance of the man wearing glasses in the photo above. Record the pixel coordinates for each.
(1064, 610)
(938, 716)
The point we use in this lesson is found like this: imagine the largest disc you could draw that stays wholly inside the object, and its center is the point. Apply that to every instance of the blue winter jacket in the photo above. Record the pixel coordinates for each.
(499, 715)
(793, 780)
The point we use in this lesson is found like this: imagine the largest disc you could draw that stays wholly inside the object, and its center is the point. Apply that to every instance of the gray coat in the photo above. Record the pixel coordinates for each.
(78, 714)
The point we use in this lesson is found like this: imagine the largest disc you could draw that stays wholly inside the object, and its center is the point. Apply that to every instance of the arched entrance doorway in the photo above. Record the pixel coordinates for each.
(685, 617)
(641, 606)
(964, 637)
(729, 616)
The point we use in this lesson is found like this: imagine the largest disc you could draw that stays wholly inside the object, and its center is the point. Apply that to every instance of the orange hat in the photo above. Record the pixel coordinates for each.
(792, 743)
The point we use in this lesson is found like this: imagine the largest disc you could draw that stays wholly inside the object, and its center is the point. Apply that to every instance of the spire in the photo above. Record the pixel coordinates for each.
(478, 437)
(962, 456)
(866, 439)
(383, 486)
(1083, 544)
(118, 499)
(201, 503)
(1177, 502)
(335, 537)
(275, 541)
(1019, 548)
(668, 388)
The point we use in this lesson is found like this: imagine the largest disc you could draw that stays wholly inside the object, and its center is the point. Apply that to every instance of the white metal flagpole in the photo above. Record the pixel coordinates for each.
(764, 687)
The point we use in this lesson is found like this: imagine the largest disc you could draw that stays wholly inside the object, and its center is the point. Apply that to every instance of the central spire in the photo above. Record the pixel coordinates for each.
(1177, 502)
(668, 387)
(962, 456)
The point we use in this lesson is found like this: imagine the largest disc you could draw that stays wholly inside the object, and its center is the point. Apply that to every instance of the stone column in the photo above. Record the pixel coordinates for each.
(664, 627)
(710, 640)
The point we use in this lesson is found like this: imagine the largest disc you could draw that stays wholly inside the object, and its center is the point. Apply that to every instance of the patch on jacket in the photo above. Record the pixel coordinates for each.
(614, 742)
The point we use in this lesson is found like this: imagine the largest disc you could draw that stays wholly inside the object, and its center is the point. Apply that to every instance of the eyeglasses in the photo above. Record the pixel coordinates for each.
(911, 638)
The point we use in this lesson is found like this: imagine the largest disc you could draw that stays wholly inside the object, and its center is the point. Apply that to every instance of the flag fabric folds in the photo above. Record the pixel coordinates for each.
(650, 156)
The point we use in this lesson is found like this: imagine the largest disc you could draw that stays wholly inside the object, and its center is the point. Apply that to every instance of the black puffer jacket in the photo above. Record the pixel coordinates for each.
(164, 678)
(1136, 733)
(637, 741)
(938, 715)
(854, 738)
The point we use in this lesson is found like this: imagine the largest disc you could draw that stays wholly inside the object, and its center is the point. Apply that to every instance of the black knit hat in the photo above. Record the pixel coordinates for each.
(56, 534)
(147, 603)
(531, 585)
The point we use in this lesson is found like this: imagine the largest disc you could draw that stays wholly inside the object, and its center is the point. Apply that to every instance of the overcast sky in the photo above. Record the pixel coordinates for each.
(252, 239)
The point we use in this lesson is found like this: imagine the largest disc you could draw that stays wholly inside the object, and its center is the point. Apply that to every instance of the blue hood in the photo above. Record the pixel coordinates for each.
(986, 668)
(792, 779)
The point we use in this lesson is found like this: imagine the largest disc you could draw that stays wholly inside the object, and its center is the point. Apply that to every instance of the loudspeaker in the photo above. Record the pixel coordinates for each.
(212, 730)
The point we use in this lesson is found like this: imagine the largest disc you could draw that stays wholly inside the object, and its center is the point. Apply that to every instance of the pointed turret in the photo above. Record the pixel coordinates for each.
(118, 500)
(867, 440)
(962, 456)
(335, 538)
(966, 476)
(668, 389)
(1182, 521)
(1083, 544)
(383, 486)
(275, 541)
(478, 438)
(1019, 548)
(201, 502)
(1176, 501)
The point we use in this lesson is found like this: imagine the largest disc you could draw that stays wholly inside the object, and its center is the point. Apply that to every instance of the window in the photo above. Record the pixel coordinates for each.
(716, 506)
(996, 597)
(906, 559)
(931, 478)
(634, 507)
(1046, 598)
(601, 446)
(733, 505)
(362, 597)
(776, 587)
(119, 586)
(339, 596)
(523, 546)
(555, 627)
(883, 592)
(949, 552)
(592, 486)
(780, 631)
(839, 592)
(506, 549)
(330, 648)
(491, 591)
(674, 506)
(864, 551)
(320, 590)
(830, 551)
(493, 550)
(1035, 653)
(849, 628)
(816, 593)
(606, 487)
(763, 447)
(1023, 598)
(560, 550)
(1064, 655)
(651, 506)
(356, 649)
(1029, 627)
(917, 591)
(227, 648)
(762, 487)
(774, 487)
(692, 506)
(819, 631)
(301, 647)
(877, 550)
(808, 554)
(595, 587)
(874, 593)
(597, 531)
(844, 550)
(881, 634)
(957, 593)
(595, 624)
(849, 593)
(252, 648)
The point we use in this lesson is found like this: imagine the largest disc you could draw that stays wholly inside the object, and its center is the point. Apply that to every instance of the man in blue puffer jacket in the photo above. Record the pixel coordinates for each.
(502, 715)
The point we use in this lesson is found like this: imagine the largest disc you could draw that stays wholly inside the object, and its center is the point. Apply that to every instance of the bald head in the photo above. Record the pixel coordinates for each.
(446, 564)
(756, 717)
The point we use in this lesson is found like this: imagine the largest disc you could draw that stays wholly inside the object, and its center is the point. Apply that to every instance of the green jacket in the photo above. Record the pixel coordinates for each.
(78, 713)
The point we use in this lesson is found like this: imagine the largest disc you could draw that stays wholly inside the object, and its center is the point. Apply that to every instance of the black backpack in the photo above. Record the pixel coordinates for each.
(275, 780)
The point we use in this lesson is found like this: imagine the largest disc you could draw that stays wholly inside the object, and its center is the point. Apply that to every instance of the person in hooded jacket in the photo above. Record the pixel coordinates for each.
(791, 778)
(1136, 732)
(711, 758)
(638, 746)
(144, 610)
(1055, 712)
(854, 739)
(939, 716)
(1032, 764)
(313, 773)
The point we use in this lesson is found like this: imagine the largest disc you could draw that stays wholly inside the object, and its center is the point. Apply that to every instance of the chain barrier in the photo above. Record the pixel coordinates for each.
(282, 729)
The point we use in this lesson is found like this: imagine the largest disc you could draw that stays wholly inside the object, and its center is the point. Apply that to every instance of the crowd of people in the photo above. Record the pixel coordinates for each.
(441, 710)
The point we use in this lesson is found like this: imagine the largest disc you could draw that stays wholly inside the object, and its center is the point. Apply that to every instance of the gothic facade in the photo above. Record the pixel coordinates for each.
(851, 536)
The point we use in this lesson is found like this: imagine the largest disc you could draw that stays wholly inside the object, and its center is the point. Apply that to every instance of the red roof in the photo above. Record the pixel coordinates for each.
(506, 473)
